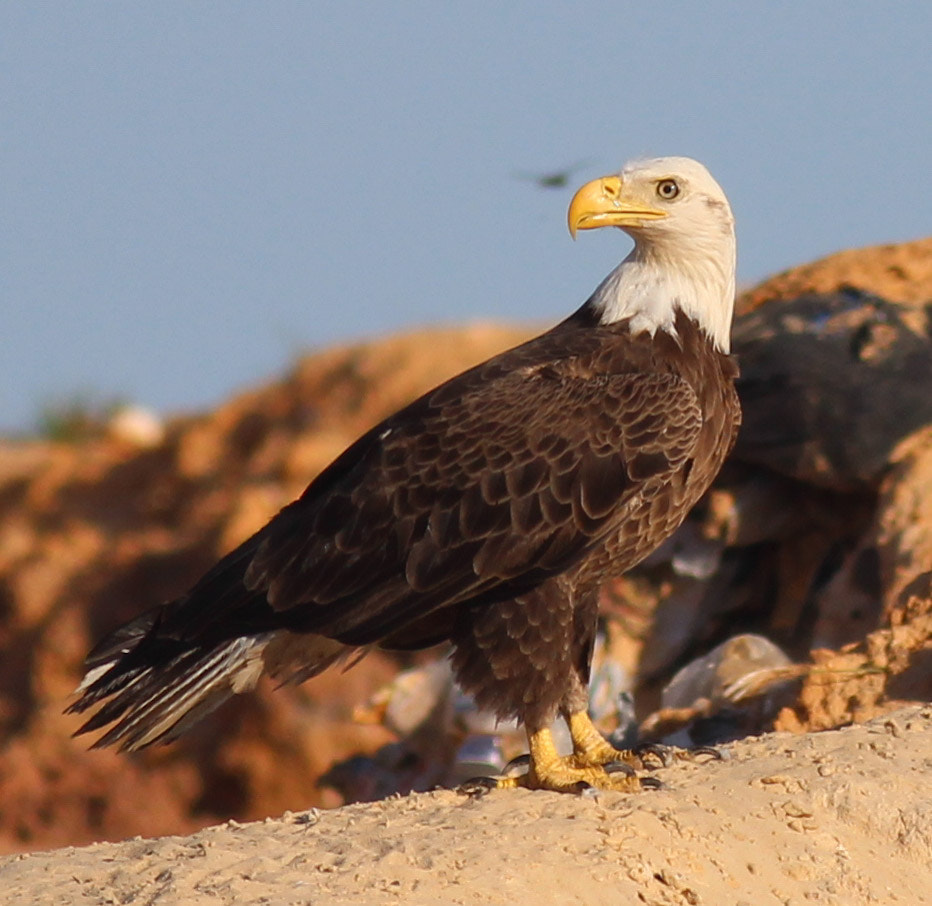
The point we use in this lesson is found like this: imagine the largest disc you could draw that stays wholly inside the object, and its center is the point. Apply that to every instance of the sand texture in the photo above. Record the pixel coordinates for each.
(840, 817)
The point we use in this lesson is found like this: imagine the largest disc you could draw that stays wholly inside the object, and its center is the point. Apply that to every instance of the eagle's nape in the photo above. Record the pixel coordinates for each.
(487, 513)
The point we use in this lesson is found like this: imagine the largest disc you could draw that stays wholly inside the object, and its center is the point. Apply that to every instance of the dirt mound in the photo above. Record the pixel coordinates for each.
(900, 273)
(96, 532)
(808, 538)
(836, 817)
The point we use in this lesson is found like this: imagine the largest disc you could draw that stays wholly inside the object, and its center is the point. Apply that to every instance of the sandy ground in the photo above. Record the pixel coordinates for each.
(839, 817)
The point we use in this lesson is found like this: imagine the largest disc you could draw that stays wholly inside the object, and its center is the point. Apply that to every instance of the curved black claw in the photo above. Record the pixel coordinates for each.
(619, 767)
(713, 753)
(477, 787)
(518, 763)
(651, 783)
(663, 754)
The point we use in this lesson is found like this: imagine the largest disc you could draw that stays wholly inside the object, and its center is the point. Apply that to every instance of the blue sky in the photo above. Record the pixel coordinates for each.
(192, 194)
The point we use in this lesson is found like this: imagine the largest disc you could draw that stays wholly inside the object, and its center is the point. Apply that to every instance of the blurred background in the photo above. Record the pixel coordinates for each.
(195, 195)
(192, 195)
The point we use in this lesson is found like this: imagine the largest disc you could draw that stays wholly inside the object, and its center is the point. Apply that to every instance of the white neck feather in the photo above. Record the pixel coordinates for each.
(653, 282)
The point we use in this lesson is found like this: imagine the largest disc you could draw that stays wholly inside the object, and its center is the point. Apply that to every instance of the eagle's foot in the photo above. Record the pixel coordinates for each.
(563, 775)
(666, 755)
(589, 767)
(594, 765)
(567, 775)
(591, 748)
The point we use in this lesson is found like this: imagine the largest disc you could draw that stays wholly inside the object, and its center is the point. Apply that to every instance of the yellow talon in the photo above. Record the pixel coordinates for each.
(590, 765)
(549, 771)
(590, 747)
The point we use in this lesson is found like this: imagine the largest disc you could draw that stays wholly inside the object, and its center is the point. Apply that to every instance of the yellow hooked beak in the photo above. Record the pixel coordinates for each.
(605, 202)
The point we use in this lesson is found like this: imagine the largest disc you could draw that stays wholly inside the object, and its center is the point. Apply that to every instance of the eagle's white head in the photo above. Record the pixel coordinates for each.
(684, 246)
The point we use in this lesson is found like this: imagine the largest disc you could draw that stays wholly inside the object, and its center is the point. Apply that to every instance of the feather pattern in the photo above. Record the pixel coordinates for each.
(476, 494)
(485, 513)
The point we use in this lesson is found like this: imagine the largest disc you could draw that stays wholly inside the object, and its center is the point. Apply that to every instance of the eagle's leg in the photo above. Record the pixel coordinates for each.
(590, 747)
(550, 771)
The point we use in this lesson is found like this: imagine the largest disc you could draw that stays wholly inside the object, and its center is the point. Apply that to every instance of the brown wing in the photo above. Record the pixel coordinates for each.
(476, 492)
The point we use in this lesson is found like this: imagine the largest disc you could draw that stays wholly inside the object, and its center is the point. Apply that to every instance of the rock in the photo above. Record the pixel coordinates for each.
(731, 692)
(830, 385)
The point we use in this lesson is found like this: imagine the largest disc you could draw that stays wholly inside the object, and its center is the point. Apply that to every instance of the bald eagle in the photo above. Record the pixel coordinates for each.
(486, 513)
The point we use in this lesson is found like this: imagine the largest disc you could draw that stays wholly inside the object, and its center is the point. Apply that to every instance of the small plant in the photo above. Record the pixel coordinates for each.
(76, 418)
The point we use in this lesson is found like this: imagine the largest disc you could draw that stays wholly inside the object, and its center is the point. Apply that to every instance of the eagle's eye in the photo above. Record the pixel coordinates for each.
(668, 189)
